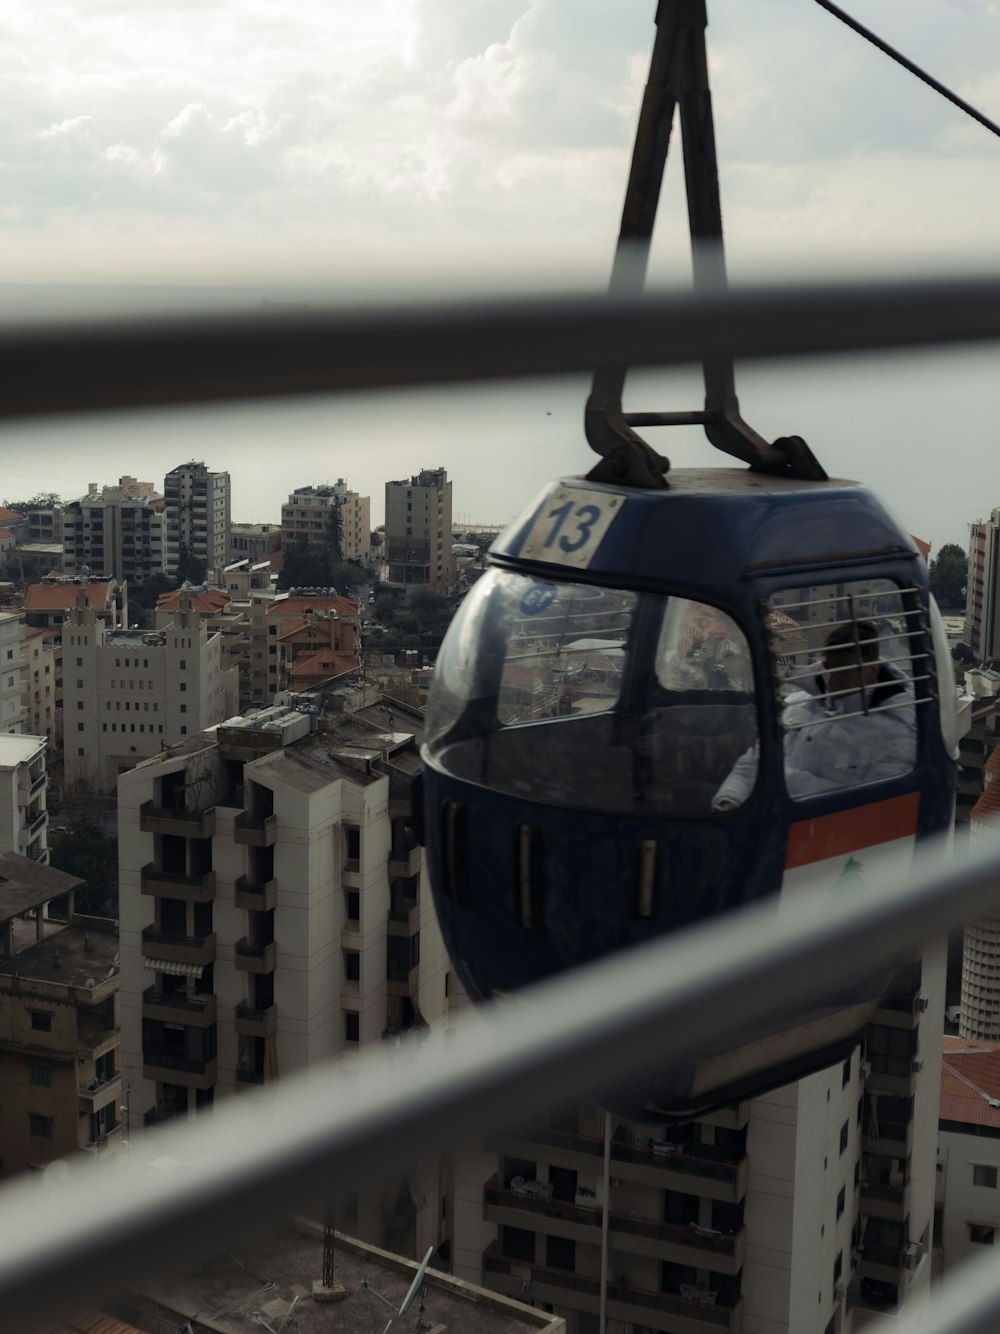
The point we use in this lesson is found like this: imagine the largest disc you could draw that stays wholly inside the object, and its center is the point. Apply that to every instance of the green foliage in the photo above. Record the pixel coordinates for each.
(947, 577)
(44, 500)
(92, 855)
(314, 566)
(191, 568)
(335, 535)
(962, 653)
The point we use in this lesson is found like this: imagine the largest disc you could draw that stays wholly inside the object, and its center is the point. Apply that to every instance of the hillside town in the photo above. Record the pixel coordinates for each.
(210, 880)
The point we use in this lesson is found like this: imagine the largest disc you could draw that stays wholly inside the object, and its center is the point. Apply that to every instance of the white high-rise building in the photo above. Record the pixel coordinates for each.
(12, 708)
(197, 507)
(274, 916)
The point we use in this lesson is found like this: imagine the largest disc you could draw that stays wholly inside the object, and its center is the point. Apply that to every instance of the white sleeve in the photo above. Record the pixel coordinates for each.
(739, 783)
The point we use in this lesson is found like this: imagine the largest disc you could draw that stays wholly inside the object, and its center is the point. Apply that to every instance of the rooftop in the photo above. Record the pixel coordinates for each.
(970, 1082)
(61, 594)
(83, 955)
(16, 748)
(25, 883)
(269, 1274)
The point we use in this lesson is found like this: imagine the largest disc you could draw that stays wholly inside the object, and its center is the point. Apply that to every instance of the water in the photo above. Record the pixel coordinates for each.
(918, 428)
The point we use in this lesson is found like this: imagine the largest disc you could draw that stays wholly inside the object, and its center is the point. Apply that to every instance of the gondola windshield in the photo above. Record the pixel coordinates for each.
(592, 697)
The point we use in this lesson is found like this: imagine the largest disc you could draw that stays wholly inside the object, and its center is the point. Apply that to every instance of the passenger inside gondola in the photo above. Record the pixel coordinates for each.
(854, 722)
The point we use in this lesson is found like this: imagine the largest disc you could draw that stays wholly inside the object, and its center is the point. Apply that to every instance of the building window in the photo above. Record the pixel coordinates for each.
(841, 1200)
(843, 1136)
(79, 703)
(80, 751)
(847, 1072)
(40, 1075)
(984, 1176)
(184, 708)
(352, 843)
(41, 1127)
(183, 666)
(352, 965)
(353, 905)
(352, 1027)
(183, 731)
(981, 1234)
(184, 685)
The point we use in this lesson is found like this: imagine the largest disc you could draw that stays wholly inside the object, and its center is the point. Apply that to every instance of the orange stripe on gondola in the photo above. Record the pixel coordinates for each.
(837, 835)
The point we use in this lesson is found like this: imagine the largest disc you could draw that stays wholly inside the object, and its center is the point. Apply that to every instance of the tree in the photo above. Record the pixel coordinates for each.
(962, 653)
(86, 851)
(191, 568)
(335, 535)
(947, 576)
(44, 500)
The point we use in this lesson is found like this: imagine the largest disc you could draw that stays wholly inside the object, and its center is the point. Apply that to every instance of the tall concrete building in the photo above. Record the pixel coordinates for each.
(968, 1196)
(798, 1212)
(982, 606)
(273, 916)
(129, 693)
(24, 797)
(118, 531)
(197, 507)
(306, 518)
(418, 532)
(979, 1016)
(12, 708)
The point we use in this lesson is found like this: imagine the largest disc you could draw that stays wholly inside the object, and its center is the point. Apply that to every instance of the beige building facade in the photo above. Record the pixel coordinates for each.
(118, 531)
(127, 694)
(197, 508)
(305, 517)
(13, 715)
(418, 539)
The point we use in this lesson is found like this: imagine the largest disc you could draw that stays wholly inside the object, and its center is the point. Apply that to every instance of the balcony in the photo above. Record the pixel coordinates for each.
(889, 1075)
(254, 832)
(885, 1201)
(888, 1140)
(256, 1023)
(199, 951)
(190, 888)
(401, 981)
(899, 1010)
(403, 919)
(182, 824)
(256, 897)
(97, 1093)
(249, 1077)
(168, 1068)
(179, 1007)
(700, 1171)
(255, 958)
(403, 864)
(561, 1287)
(882, 1262)
(679, 1243)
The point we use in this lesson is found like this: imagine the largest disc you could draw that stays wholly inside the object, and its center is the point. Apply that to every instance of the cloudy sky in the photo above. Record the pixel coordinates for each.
(357, 142)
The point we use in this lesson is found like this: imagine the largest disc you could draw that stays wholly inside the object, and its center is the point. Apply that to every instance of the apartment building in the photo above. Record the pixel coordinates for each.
(118, 531)
(12, 711)
(197, 508)
(305, 517)
(979, 1015)
(968, 1178)
(802, 1210)
(273, 916)
(24, 797)
(128, 693)
(278, 633)
(59, 1049)
(418, 532)
(221, 615)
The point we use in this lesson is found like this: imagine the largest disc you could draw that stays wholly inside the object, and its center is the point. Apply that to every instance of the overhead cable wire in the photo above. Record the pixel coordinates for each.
(907, 64)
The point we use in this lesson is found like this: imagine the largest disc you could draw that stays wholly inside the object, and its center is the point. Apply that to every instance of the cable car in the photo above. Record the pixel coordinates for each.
(668, 698)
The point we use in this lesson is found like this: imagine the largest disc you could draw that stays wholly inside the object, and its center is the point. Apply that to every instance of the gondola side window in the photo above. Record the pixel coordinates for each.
(851, 658)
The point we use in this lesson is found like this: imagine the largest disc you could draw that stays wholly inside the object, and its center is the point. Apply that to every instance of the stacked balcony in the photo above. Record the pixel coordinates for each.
(155, 819)
(171, 884)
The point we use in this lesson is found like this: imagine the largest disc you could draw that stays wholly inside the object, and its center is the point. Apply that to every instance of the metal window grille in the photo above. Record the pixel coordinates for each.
(588, 1030)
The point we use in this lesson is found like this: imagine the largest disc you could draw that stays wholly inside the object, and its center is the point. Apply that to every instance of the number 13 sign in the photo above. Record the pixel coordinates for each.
(569, 527)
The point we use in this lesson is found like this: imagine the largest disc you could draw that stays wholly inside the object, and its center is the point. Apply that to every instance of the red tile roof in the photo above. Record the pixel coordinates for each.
(62, 597)
(297, 607)
(10, 516)
(924, 547)
(320, 663)
(992, 765)
(970, 1081)
(987, 808)
(206, 601)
